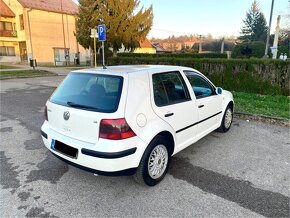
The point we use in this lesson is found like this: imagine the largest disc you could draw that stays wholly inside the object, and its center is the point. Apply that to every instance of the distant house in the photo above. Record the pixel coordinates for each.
(145, 47)
(172, 46)
(188, 44)
(158, 47)
(38, 29)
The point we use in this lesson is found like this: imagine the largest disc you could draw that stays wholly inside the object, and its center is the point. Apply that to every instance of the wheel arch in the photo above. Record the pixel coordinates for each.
(169, 138)
(231, 105)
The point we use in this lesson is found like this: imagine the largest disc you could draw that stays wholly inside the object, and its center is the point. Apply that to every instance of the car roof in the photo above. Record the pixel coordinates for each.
(121, 69)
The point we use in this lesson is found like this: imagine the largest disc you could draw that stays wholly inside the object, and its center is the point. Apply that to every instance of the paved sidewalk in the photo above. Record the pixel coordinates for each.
(61, 71)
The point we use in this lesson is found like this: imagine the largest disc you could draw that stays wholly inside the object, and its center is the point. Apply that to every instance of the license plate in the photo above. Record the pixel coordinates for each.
(64, 148)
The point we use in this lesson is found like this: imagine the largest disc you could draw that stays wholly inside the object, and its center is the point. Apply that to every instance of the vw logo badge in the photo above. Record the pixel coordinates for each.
(66, 115)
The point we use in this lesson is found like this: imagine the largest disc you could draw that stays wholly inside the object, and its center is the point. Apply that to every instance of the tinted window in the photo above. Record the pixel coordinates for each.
(200, 86)
(169, 88)
(90, 92)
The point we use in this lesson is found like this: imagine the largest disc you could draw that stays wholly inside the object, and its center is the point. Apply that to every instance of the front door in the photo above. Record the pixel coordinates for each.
(23, 51)
(173, 104)
(208, 102)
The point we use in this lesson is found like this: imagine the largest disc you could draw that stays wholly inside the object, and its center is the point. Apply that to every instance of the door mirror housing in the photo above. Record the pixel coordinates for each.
(219, 90)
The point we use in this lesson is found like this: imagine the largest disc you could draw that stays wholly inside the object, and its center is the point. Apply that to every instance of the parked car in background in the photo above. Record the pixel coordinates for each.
(129, 120)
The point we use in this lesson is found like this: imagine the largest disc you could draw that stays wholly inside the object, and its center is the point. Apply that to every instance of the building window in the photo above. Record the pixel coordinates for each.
(6, 26)
(7, 29)
(21, 22)
(7, 51)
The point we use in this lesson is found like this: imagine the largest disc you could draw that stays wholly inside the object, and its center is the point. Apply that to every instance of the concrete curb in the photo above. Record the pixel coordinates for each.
(263, 118)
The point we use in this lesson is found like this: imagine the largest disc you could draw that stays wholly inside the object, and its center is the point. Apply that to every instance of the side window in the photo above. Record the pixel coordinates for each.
(200, 86)
(8, 26)
(169, 88)
(106, 85)
(110, 85)
(21, 22)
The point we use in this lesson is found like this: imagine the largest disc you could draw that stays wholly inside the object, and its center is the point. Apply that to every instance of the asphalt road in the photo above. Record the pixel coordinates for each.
(243, 173)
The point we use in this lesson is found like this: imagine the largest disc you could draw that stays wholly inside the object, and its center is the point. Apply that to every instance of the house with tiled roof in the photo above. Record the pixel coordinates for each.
(5, 10)
(38, 29)
(189, 43)
(145, 46)
(158, 47)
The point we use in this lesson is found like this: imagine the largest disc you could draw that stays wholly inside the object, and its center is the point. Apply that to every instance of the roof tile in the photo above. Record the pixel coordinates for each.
(145, 43)
(59, 6)
(5, 11)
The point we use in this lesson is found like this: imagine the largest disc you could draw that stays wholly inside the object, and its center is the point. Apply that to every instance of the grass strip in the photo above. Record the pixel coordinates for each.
(269, 105)
(24, 74)
(3, 67)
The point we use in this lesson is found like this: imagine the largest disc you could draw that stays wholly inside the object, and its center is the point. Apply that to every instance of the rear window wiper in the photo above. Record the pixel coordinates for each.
(72, 104)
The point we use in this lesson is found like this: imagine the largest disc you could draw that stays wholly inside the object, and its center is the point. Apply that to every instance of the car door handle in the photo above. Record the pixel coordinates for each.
(169, 114)
(200, 106)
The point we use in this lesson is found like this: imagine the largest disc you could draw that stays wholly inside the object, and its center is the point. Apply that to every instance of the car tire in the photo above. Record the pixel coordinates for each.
(227, 120)
(154, 163)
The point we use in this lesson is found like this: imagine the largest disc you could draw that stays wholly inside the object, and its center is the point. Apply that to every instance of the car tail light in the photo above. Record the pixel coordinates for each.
(45, 113)
(115, 129)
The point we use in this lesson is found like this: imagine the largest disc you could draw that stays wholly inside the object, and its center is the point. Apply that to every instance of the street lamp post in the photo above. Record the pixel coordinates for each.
(269, 30)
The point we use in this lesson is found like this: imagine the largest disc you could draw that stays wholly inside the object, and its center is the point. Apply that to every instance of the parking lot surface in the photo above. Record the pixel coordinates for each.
(243, 173)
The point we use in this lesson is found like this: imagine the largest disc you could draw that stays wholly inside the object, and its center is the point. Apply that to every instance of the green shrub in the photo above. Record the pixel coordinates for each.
(174, 55)
(247, 75)
(284, 49)
(249, 50)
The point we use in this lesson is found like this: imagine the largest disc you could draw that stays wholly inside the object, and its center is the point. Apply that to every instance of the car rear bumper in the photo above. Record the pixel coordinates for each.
(108, 155)
(120, 158)
(126, 172)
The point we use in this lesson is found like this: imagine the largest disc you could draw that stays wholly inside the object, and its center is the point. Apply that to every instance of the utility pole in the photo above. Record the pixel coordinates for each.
(274, 48)
(269, 30)
(223, 45)
(29, 28)
(65, 53)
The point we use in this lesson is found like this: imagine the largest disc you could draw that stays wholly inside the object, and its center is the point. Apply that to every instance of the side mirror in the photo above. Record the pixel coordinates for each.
(219, 90)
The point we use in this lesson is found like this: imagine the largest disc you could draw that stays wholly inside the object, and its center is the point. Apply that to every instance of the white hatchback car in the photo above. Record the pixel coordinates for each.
(127, 120)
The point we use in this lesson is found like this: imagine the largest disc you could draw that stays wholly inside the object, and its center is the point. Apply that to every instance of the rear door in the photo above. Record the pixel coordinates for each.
(173, 104)
(208, 102)
(82, 101)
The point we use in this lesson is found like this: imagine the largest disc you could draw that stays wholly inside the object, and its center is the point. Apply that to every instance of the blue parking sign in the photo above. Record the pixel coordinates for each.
(102, 32)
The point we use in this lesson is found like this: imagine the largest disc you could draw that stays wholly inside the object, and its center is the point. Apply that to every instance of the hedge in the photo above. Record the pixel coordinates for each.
(249, 50)
(246, 75)
(174, 55)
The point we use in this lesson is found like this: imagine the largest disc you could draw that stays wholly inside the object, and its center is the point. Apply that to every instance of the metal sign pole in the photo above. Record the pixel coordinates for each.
(95, 50)
(103, 45)
(102, 38)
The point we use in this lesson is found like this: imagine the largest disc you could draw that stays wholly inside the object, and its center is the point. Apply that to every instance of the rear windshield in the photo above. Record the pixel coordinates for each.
(92, 92)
